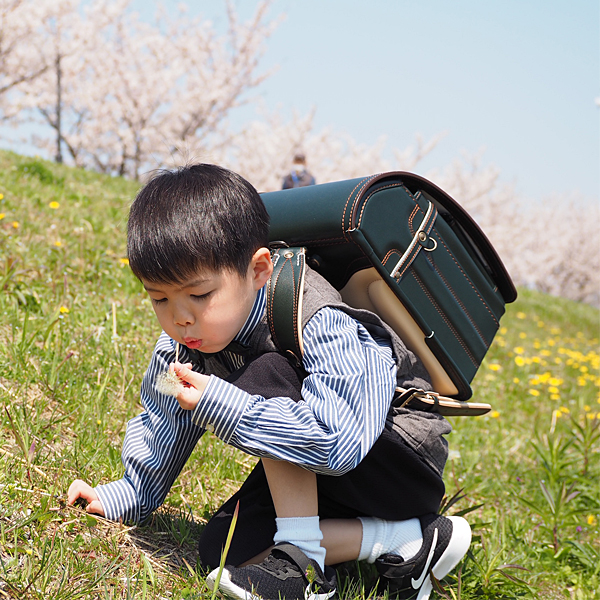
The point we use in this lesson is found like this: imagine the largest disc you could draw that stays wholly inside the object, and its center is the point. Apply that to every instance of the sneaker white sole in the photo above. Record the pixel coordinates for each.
(227, 587)
(457, 548)
(231, 590)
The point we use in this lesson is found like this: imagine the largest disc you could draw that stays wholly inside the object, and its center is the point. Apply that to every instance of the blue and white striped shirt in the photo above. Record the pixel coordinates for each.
(345, 401)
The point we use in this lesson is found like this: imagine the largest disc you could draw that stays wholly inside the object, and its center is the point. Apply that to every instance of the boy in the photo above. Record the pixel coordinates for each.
(197, 240)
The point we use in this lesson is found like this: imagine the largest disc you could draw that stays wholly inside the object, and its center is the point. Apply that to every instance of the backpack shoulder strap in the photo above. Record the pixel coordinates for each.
(284, 300)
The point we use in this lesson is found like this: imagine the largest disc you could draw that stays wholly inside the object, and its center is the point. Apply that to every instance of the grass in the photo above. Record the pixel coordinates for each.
(76, 334)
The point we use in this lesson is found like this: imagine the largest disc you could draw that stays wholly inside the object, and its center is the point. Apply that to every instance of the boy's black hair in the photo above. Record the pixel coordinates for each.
(196, 217)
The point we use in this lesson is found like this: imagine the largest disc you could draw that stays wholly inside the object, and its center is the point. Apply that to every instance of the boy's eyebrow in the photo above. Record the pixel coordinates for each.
(186, 285)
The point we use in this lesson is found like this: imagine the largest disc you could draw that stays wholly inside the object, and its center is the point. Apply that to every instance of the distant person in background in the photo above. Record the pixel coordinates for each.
(298, 176)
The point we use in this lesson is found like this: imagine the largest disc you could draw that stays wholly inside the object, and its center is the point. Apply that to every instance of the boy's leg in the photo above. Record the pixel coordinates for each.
(295, 497)
(270, 375)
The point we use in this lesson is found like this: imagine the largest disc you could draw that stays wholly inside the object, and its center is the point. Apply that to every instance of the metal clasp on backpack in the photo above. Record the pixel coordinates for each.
(418, 242)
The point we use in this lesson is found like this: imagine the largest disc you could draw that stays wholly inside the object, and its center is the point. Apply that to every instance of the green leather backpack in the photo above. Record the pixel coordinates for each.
(399, 246)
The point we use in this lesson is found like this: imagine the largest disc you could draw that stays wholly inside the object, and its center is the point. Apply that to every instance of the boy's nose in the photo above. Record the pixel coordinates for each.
(183, 318)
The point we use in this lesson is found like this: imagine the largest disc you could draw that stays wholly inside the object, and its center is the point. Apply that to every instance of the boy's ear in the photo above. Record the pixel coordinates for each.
(261, 267)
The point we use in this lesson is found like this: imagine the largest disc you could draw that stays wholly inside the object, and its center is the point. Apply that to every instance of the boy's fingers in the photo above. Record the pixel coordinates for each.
(185, 372)
(80, 489)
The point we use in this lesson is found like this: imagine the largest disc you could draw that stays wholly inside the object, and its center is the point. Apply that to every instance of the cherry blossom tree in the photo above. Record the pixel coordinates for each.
(125, 94)
(263, 151)
(21, 61)
(551, 245)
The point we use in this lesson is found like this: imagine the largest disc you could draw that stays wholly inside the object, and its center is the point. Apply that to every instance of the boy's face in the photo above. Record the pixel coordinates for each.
(207, 311)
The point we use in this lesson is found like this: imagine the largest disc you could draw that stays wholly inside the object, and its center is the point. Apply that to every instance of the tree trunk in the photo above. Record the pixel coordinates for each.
(59, 156)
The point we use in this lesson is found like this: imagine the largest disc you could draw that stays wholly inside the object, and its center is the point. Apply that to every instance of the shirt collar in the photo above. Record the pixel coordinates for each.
(254, 318)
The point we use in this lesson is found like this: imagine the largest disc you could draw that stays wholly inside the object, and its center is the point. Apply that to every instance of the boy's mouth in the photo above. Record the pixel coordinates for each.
(192, 343)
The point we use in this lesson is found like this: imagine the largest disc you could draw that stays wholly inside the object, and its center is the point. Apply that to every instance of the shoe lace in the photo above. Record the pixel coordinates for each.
(278, 566)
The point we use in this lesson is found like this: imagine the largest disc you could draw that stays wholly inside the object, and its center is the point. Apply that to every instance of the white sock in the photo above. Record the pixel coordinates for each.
(404, 538)
(303, 532)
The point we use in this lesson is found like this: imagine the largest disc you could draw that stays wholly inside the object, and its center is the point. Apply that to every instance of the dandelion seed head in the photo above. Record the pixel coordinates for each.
(168, 383)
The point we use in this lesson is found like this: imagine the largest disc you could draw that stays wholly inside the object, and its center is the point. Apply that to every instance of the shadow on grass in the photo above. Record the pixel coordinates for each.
(170, 537)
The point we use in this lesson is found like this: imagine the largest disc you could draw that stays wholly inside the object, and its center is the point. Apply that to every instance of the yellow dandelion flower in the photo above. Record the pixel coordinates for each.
(503, 330)
(1, 196)
(581, 381)
(54, 204)
(522, 335)
(555, 381)
(494, 414)
(598, 416)
(555, 330)
(494, 367)
(558, 360)
(15, 224)
(534, 392)
(540, 324)
(534, 381)
(590, 415)
(519, 350)
(564, 409)
(587, 408)
(557, 414)
(553, 389)
(536, 345)
(536, 359)
(519, 361)
(64, 309)
(98, 422)
(58, 243)
(583, 369)
(551, 342)
(30, 551)
(124, 261)
(521, 315)
(554, 396)
(2, 215)
(545, 352)
(517, 380)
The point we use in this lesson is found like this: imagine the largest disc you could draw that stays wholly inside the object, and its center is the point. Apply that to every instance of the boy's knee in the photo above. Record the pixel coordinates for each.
(209, 546)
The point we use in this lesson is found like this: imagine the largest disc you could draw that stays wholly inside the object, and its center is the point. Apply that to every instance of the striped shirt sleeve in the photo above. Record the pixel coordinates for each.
(158, 442)
(346, 397)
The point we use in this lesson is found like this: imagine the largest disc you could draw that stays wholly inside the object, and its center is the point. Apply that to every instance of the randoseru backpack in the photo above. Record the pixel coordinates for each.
(399, 246)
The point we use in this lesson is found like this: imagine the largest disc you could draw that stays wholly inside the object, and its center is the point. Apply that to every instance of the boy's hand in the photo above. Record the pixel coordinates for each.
(193, 385)
(80, 489)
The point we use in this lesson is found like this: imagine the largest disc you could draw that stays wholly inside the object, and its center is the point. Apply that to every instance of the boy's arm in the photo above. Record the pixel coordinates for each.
(157, 444)
(346, 398)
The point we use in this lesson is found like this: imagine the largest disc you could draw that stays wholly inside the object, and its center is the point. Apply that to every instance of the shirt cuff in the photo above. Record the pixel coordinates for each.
(119, 501)
(220, 408)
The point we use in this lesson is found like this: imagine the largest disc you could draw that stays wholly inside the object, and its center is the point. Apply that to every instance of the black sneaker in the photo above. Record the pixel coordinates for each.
(286, 573)
(445, 541)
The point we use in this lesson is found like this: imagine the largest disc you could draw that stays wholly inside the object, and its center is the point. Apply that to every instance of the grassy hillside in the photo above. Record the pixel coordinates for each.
(76, 333)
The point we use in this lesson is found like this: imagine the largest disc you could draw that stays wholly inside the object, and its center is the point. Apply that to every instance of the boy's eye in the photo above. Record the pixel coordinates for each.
(158, 300)
(201, 296)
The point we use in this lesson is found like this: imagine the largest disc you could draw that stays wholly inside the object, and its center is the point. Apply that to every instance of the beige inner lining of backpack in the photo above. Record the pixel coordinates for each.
(366, 289)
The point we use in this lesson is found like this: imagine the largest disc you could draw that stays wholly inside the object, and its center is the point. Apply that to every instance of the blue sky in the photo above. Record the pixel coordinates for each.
(518, 78)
